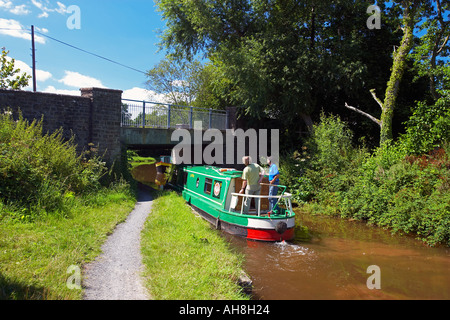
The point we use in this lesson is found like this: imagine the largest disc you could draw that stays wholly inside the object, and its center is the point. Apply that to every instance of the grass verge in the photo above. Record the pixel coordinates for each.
(184, 258)
(35, 256)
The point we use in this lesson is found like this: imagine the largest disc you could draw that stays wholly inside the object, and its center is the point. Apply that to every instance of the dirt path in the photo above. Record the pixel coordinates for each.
(115, 274)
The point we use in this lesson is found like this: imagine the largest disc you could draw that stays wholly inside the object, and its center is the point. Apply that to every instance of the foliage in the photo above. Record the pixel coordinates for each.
(282, 59)
(391, 187)
(331, 143)
(428, 127)
(8, 74)
(287, 60)
(433, 48)
(292, 169)
(40, 172)
(179, 81)
(405, 194)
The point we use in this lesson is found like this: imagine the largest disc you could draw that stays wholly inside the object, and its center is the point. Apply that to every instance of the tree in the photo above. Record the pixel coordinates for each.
(433, 49)
(280, 59)
(178, 80)
(432, 44)
(9, 76)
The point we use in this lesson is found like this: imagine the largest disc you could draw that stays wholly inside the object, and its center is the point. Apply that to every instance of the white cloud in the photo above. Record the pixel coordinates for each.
(43, 30)
(137, 94)
(37, 4)
(41, 75)
(6, 4)
(20, 10)
(43, 15)
(77, 80)
(61, 8)
(52, 89)
(13, 28)
(143, 94)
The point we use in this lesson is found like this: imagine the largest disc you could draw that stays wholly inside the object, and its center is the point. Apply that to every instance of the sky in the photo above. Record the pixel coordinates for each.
(126, 32)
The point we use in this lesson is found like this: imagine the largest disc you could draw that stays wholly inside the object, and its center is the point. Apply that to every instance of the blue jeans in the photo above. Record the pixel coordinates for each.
(273, 190)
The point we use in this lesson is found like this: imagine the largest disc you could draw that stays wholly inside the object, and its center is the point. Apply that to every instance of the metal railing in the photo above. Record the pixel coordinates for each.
(145, 114)
(285, 196)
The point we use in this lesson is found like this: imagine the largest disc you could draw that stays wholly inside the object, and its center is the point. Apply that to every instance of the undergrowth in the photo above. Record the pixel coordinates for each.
(396, 186)
(41, 172)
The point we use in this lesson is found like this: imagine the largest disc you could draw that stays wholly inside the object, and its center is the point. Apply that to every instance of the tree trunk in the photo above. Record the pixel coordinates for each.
(308, 121)
(398, 69)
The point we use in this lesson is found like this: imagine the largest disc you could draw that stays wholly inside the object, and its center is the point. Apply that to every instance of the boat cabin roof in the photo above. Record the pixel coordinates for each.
(215, 172)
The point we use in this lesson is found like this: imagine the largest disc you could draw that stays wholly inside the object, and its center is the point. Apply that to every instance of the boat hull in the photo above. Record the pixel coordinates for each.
(257, 229)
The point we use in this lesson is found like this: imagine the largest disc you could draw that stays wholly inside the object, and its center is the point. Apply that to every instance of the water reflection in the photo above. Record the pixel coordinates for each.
(329, 260)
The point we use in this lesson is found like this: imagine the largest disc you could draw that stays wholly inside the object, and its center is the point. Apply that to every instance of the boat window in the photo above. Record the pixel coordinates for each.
(208, 185)
(197, 183)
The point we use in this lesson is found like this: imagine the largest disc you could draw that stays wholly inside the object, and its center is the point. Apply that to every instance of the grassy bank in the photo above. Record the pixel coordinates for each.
(56, 209)
(184, 258)
(35, 256)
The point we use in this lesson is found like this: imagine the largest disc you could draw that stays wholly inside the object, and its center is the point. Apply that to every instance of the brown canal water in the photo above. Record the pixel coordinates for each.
(330, 257)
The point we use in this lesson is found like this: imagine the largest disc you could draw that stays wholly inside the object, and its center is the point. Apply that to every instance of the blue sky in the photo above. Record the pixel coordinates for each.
(123, 31)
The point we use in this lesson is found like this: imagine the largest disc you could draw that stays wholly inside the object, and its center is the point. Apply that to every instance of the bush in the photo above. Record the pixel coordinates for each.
(331, 144)
(428, 128)
(390, 188)
(331, 163)
(292, 168)
(39, 172)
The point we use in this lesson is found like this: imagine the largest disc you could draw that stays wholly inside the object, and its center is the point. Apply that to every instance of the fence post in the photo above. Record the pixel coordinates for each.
(168, 117)
(227, 120)
(191, 116)
(143, 114)
(210, 118)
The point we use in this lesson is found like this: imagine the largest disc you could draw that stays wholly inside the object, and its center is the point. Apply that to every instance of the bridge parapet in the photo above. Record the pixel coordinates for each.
(146, 114)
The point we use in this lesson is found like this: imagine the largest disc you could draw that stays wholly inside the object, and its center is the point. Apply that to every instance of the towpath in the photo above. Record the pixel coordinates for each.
(116, 274)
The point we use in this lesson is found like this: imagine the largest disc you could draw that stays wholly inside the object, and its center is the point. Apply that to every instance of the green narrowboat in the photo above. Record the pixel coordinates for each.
(212, 192)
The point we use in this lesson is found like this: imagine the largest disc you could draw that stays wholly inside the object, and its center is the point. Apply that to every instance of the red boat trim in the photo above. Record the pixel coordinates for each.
(269, 235)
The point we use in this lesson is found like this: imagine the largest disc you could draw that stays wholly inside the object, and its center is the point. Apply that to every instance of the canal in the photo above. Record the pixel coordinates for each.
(330, 257)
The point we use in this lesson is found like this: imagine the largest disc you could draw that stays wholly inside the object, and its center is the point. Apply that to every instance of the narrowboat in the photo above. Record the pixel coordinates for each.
(213, 193)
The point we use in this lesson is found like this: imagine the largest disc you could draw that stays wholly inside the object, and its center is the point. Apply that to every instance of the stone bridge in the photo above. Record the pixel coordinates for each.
(100, 117)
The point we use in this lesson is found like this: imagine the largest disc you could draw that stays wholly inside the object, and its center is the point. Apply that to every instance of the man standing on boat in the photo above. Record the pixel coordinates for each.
(274, 180)
(251, 185)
